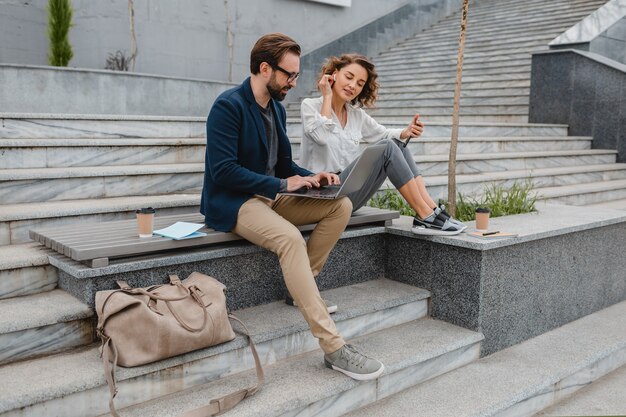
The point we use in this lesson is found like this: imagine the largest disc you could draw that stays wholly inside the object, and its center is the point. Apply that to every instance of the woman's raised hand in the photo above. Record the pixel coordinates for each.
(414, 129)
(325, 85)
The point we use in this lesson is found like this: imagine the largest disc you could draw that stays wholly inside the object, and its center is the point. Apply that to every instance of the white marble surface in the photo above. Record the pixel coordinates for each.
(136, 386)
(324, 392)
(85, 128)
(475, 164)
(44, 340)
(24, 280)
(593, 25)
(59, 156)
(549, 220)
(59, 189)
(468, 129)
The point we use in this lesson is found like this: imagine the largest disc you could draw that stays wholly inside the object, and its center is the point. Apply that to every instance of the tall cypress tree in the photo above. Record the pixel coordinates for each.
(59, 23)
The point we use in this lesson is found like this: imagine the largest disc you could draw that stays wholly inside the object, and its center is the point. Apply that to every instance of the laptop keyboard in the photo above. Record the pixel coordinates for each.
(328, 191)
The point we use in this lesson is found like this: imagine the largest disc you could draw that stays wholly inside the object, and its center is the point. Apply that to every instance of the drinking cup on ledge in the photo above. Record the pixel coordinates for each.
(145, 221)
(482, 218)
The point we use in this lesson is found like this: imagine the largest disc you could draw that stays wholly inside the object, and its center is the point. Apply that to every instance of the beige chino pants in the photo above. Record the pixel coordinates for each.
(271, 224)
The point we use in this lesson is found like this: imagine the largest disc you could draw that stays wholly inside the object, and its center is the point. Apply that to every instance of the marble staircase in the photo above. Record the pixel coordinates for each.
(72, 383)
(500, 39)
(496, 144)
(71, 169)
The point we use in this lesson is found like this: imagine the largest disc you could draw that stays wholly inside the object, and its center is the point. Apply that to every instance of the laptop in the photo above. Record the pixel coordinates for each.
(354, 182)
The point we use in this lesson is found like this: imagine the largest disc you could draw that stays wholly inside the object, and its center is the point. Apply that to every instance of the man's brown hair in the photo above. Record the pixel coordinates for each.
(271, 48)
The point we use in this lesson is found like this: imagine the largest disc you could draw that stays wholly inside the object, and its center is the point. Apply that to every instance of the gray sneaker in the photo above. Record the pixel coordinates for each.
(330, 306)
(349, 361)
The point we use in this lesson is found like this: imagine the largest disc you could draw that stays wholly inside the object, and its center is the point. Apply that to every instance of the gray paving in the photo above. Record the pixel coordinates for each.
(38, 310)
(604, 397)
(520, 376)
(57, 376)
(300, 384)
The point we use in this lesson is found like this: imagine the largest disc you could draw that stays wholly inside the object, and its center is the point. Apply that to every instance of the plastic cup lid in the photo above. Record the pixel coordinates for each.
(483, 210)
(146, 210)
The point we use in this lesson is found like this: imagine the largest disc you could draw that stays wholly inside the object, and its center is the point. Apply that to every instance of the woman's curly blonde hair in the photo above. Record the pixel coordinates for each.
(368, 95)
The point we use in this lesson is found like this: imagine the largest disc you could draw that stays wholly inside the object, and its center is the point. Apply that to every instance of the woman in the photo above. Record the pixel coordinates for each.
(335, 124)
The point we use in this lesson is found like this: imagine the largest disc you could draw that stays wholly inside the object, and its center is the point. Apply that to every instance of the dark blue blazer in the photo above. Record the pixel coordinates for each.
(236, 156)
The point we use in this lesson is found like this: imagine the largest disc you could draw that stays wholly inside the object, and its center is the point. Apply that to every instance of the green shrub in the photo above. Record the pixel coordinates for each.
(391, 199)
(518, 199)
(59, 23)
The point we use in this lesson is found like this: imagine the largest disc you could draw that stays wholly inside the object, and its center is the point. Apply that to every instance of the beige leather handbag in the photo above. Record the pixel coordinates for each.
(142, 325)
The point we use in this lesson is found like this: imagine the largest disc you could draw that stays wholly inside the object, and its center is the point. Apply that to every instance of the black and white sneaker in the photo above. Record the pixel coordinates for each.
(442, 209)
(435, 225)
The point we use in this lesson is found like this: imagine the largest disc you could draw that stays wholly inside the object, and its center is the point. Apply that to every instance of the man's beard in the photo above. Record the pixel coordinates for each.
(275, 90)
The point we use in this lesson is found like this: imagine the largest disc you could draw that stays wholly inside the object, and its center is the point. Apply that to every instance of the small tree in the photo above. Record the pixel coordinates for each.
(455, 114)
(133, 37)
(59, 23)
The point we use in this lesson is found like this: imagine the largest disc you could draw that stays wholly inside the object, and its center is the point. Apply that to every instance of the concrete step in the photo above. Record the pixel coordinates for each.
(41, 125)
(502, 162)
(470, 78)
(451, 49)
(445, 71)
(604, 396)
(72, 384)
(505, 161)
(465, 145)
(47, 153)
(417, 96)
(547, 22)
(40, 324)
(504, 118)
(448, 86)
(614, 204)
(523, 379)
(584, 194)
(17, 219)
(446, 110)
(473, 185)
(72, 183)
(444, 89)
(449, 64)
(24, 270)
(427, 112)
(470, 129)
(518, 100)
(444, 29)
(471, 51)
(472, 42)
(504, 17)
(499, 11)
(422, 61)
(421, 351)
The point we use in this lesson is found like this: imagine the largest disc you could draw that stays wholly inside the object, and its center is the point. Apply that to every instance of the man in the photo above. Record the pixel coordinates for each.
(248, 163)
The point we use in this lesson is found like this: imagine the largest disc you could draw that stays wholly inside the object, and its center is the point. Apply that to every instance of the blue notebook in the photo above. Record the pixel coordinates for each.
(181, 230)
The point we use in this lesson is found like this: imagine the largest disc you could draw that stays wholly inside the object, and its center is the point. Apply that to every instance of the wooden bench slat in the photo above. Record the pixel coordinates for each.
(95, 243)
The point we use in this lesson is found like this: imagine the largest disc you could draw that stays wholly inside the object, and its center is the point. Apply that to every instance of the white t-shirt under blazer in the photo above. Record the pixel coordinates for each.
(326, 146)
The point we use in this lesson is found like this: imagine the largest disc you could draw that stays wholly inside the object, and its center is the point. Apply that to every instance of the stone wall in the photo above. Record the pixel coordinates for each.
(181, 39)
(583, 90)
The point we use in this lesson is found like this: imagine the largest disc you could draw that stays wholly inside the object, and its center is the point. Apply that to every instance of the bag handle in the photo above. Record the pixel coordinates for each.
(221, 405)
(215, 407)
(192, 292)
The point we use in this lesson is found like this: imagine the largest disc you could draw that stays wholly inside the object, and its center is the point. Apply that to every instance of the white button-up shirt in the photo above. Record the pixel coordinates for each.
(326, 146)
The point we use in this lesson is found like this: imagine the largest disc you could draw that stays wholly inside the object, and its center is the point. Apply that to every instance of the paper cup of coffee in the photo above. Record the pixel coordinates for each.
(145, 221)
(482, 218)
